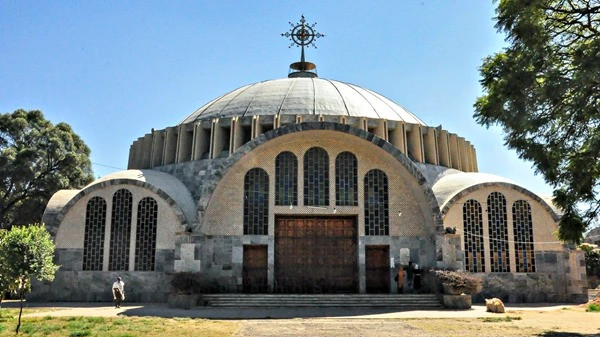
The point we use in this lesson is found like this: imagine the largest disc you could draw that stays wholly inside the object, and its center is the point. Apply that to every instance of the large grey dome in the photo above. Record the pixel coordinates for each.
(303, 96)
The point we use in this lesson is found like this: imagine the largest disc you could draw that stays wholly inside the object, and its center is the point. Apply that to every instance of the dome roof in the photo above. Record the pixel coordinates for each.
(303, 96)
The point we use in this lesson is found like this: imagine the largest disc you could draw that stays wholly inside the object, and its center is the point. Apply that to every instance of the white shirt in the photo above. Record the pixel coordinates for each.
(119, 285)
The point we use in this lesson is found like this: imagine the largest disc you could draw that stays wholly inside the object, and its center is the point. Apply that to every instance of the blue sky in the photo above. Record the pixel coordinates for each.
(115, 69)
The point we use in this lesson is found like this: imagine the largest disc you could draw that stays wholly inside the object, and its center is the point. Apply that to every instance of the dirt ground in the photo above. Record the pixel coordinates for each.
(525, 320)
(569, 322)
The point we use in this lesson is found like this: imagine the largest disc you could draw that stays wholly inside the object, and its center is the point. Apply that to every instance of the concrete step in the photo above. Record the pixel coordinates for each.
(408, 301)
(593, 293)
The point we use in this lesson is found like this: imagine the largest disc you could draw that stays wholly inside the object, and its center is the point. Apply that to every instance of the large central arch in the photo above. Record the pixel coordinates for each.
(223, 167)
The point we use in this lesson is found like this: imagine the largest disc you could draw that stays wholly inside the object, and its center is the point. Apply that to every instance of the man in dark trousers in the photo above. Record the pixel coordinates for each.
(118, 290)
(409, 276)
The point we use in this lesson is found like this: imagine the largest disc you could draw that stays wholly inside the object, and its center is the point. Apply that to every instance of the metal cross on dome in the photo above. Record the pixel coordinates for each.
(302, 34)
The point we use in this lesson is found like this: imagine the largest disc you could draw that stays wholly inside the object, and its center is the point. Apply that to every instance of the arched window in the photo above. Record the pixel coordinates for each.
(93, 242)
(316, 177)
(473, 229)
(376, 203)
(145, 235)
(346, 180)
(286, 179)
(120, 229)
(498, 227)
(523, 231)
(256, 202)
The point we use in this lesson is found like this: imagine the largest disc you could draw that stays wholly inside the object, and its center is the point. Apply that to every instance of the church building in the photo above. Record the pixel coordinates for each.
(304, 185)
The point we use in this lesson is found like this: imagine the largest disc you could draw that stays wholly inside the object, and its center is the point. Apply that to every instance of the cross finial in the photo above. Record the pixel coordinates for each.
(302, 34)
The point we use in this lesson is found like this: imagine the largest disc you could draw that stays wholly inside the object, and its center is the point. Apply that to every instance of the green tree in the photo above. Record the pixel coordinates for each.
(37, 159)
(26, 253)
(6, 284)
(544, 91)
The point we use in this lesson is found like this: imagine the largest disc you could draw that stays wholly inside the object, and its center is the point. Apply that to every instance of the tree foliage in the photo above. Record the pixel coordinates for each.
(544, 91)
(37, 159)
(26, 253)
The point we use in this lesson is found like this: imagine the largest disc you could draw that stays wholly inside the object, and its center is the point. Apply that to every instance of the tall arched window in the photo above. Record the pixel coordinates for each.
(286, 179)
(473, 229)
(145, 235)
(120, 229)
(376, 203)
(93, 242)
(498, 227)
(316, 177)
(346, 180)
(523, 232)
(256, 202)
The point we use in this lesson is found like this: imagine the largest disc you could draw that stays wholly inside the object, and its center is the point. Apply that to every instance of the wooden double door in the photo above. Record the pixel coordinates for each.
(316, 255)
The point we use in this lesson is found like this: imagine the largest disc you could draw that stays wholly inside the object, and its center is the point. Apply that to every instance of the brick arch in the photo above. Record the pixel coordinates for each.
(53, 226)
(464, 192)
(210, 186)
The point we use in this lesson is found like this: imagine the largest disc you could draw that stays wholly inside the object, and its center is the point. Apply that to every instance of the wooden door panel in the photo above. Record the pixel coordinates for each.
(316, 255)
(255, 269)
(377, 268)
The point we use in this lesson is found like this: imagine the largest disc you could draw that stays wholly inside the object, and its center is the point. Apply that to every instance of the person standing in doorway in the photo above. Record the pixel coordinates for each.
(118, 289)
(400, 279)
(409, 276)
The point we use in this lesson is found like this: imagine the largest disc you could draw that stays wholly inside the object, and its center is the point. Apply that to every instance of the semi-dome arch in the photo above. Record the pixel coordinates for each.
(451, 188)
(166, 186)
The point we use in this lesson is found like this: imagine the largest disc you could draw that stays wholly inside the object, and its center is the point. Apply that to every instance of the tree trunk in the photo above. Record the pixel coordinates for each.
(22, 295)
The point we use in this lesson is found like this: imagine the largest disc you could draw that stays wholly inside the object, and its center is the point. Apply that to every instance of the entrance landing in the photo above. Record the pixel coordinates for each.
(403, 301)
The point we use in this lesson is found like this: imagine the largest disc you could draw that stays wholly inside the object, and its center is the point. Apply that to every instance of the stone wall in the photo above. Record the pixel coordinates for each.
(95, 286)
(560, 277)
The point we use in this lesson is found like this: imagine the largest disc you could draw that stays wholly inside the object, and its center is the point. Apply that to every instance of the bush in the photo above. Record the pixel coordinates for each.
(592, 307)
(459, 281)
(592, 263)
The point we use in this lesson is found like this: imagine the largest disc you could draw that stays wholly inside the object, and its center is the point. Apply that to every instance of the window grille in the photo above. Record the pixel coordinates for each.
(523, 232)
(145, 235)
(473, 237)
(346, 180)
(316, 177)
(376, 203)
(286, 179)
(120, 229)
(498, 227)
(256, 202)
(93, 243)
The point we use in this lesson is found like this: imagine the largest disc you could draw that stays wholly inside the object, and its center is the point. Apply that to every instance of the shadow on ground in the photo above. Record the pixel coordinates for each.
(566, 334)
(262, 313)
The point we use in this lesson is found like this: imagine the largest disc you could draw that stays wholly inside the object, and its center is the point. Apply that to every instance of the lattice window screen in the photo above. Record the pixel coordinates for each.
(256, 202)
(346, 180)
(376, 203)
(286, 179)
(523, 232)
(498, 228)
(473, 225)
(120, 230)
(95, 224)
(145, 236)
(316, 177)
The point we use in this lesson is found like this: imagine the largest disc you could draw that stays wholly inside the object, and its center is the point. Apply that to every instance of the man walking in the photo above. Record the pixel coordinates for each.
(118, 290)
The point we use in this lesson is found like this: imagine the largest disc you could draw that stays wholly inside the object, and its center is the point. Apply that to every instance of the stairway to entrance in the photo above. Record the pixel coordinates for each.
(404, 301)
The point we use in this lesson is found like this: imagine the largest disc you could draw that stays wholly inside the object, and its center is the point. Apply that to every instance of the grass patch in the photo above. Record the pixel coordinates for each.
(117, 327)
(593, 308)
(500, 319)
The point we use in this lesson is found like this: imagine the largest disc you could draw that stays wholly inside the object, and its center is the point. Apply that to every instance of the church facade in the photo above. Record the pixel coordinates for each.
(304, 185)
